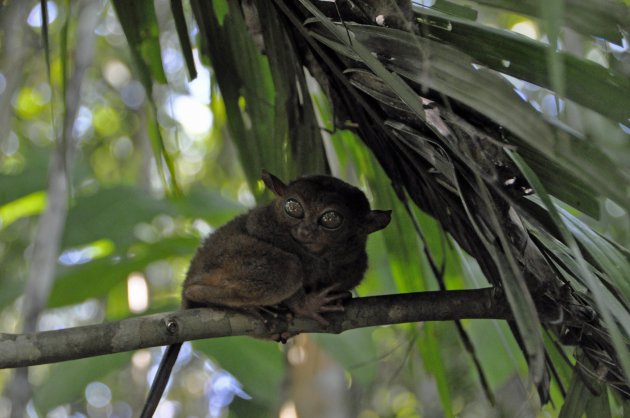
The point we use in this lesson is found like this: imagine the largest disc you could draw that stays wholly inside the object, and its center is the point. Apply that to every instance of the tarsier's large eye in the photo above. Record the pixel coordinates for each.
(331, 220)
(293, 208)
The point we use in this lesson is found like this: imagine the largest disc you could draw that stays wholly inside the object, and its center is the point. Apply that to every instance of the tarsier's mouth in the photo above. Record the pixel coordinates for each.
(312, 247)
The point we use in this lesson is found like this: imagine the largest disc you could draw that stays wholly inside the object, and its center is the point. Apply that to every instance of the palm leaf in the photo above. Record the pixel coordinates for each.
(139, 22)
(256, 101)
(182, 32)
(586, 83)
(403, 75)
(600, 18)
(453, 74)
(436, 105)
(604, 301)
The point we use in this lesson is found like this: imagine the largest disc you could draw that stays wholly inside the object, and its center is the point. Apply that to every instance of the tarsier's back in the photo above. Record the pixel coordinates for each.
(311, 236)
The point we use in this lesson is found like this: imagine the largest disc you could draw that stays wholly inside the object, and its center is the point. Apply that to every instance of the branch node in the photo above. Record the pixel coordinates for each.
(172, 326)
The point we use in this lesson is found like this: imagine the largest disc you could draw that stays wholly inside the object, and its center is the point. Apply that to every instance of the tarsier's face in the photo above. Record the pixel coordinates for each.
(323, 213)
(317, 222)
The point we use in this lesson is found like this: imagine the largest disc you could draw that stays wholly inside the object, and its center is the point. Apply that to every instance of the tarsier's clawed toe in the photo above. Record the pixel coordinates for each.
(270, 317)
(272, 312)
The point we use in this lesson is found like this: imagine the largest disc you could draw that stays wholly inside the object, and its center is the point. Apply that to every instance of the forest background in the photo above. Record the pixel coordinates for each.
(114, 164)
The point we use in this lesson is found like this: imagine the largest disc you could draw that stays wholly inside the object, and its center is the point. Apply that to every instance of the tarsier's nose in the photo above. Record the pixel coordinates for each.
(305, 233)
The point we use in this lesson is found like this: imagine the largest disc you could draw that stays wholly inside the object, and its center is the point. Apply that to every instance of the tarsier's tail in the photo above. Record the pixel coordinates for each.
(160, 380)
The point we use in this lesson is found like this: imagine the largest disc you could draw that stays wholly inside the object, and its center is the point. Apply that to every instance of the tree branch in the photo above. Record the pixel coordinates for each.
(19, 350)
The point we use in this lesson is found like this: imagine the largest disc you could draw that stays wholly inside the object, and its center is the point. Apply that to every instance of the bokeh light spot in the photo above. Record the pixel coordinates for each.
(98, 394)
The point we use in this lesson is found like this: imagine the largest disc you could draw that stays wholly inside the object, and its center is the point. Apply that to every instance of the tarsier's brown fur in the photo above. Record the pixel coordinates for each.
(303, 251)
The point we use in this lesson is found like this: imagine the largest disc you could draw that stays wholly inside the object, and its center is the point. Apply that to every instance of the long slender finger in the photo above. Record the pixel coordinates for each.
(331, 308)
(330, 288)
(331, 298)
(319, 319)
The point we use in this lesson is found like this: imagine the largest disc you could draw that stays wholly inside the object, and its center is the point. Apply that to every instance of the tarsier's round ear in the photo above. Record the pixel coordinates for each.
(273, 183)
(377, 220)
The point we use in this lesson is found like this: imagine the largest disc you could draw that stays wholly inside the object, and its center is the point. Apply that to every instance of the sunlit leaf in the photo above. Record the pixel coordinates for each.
(106, 120)
(29, 205)
(70, 288)
(139, 23)
(600, 18)
(29, 103)
(585, 82)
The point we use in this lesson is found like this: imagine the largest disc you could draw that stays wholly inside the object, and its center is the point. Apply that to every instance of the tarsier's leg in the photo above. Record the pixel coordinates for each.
(250, 273)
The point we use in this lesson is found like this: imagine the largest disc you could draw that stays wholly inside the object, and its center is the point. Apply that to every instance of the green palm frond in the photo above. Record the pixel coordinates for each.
(444, 104)
(139, 22)
(431, 106)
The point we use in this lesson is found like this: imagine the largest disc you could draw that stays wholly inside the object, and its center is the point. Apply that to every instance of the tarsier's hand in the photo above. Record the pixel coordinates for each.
(313, 304)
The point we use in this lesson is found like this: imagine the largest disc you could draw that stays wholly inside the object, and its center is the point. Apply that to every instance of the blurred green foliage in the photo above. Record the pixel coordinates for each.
(137, 142)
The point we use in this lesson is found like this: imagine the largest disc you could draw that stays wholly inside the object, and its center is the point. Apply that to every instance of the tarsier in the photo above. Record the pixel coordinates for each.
(304, 252)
